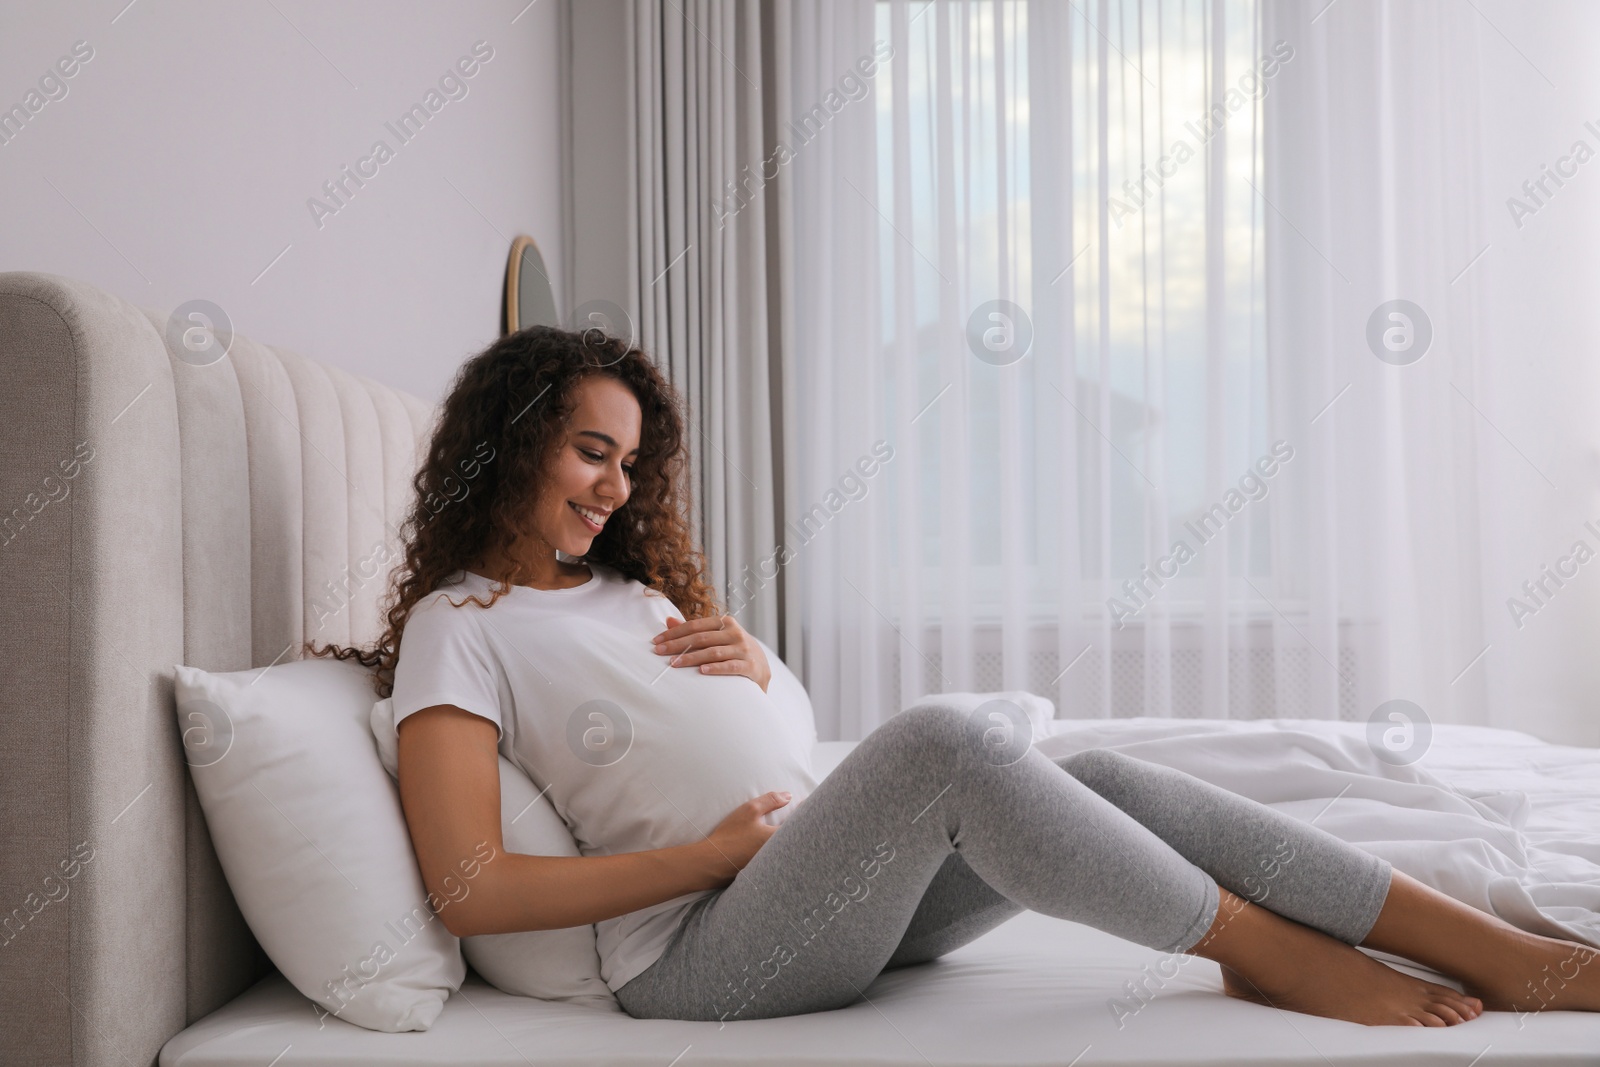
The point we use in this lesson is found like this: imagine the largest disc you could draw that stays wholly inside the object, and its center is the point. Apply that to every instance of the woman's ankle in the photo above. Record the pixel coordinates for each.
(1258, 942)
(1239, 934)
(1420, 923)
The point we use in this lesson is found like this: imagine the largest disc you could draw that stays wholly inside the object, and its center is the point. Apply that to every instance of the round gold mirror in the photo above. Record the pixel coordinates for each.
(529, 299)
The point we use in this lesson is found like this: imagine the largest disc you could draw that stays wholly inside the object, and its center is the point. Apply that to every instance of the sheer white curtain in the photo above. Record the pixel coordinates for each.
(1374, 196)
(1445, 485)
(1199, 464)
(1096, 167)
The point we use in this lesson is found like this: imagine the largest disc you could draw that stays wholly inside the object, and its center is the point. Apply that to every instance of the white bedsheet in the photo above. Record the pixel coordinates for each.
(1495, 817)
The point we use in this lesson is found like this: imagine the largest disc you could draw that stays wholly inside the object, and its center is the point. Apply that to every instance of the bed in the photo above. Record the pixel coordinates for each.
(219, 518)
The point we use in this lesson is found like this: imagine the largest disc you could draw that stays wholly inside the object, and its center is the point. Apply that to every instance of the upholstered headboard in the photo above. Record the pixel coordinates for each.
(154, 511)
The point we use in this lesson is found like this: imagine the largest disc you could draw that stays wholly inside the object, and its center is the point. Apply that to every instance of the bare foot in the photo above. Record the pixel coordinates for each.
(1509, 969)
(1268, 959)
(1381, 999)
(1542, 974)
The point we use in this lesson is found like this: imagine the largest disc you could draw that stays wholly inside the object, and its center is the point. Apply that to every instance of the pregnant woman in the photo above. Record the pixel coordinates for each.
(724, 881)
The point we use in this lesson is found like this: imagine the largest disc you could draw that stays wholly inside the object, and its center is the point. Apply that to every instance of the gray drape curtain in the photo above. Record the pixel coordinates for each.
(700, 275)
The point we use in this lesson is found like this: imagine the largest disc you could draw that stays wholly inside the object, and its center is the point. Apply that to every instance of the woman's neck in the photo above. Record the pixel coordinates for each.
(548, 572)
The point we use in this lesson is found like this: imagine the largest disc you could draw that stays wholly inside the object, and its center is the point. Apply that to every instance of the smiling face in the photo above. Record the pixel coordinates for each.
(589, 469)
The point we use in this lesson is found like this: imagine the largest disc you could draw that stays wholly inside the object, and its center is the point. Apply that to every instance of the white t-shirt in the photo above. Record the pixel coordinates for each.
(636, 754)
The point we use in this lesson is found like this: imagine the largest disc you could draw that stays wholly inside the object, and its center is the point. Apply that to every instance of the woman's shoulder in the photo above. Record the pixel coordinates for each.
(452, 595)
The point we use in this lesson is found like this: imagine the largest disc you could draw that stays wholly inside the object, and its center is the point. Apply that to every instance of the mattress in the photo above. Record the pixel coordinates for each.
(1493, 816)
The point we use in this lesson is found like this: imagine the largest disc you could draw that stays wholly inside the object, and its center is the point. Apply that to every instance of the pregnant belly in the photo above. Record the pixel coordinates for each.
(697, 746)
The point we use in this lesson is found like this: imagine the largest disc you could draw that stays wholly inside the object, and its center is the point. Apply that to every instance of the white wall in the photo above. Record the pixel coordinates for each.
(180, 162)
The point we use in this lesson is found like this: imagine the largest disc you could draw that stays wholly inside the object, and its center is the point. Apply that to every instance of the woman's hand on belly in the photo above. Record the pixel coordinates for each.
(717, 645)
(740, 836)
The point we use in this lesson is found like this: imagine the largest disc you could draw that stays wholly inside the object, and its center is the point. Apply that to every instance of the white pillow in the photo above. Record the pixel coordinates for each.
(549, 964)
(313, 841)
(793, 703)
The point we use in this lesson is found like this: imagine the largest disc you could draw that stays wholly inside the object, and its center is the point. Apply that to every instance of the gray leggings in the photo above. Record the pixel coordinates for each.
(936, 829)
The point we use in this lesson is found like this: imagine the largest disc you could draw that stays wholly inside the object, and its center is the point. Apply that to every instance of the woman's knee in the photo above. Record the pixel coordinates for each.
(926, 729)
(1097, 765)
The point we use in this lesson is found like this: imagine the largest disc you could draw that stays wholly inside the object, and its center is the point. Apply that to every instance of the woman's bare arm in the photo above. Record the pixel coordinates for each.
(450, 790)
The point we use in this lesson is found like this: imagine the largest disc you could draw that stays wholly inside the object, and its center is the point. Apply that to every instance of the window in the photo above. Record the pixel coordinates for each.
(1097, 165)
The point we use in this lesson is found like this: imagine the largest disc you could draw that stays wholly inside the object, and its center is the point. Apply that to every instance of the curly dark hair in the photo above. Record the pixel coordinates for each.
(503, 421)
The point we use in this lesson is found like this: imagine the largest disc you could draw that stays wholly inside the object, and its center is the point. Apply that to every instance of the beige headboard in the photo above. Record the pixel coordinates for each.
(154, 511)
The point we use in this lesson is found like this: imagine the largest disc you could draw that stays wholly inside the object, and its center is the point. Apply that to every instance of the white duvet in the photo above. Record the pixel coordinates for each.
(1467, 831)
